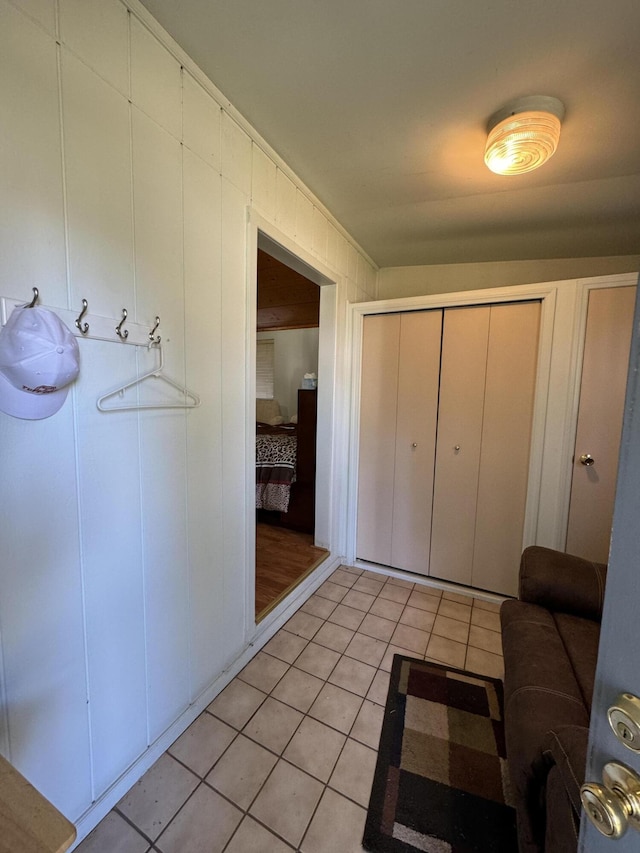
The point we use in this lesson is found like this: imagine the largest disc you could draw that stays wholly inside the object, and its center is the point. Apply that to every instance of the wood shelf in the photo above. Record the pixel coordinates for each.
(29, 823)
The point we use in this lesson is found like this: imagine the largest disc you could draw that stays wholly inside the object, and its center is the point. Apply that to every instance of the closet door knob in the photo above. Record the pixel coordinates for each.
(415, 444)
(456, 449)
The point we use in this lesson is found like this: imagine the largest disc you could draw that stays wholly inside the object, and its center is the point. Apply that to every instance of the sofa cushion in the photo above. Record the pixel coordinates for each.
(562, 582)
(566, 749)
(580, 638)
(541, 688)
(536, 660)
(561, 822)
(542, 693)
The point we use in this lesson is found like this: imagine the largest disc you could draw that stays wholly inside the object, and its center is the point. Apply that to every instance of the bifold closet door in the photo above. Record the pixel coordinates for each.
(378, 411)
(512, 359)
(418, 379)
(398, 412)
(465, 341)
(489, 357)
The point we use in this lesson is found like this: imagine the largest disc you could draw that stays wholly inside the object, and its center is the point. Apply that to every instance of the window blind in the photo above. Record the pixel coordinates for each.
(264, 369)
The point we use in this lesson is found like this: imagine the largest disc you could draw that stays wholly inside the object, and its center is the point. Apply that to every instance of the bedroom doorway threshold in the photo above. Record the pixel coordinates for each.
(284, 558)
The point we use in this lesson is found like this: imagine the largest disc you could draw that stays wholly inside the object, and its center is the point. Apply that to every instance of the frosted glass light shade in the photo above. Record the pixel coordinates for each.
(524, 139)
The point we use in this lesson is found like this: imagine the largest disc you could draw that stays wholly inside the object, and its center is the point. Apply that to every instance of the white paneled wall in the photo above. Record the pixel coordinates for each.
(125, 179)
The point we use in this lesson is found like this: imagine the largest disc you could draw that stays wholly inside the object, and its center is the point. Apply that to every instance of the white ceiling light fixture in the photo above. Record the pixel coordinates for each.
(523, 134)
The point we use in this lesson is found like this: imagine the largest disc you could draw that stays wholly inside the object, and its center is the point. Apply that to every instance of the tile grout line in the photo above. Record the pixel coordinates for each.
(281, 756)
(316, 624)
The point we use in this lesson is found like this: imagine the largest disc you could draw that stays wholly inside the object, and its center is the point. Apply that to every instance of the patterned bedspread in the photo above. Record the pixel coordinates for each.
(275, 471)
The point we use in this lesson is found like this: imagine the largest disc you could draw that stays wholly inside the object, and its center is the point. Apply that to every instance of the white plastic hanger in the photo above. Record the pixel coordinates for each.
(189, 401)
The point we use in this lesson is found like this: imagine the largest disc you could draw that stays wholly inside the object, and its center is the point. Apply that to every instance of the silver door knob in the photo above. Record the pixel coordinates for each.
(456, 448)
(614, 806)
(587, 459)
(415, 444)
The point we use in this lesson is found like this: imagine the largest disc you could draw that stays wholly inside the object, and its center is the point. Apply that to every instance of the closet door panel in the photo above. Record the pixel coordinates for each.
(462, 379)
(418, 380)
(506, 437)
(378, 404)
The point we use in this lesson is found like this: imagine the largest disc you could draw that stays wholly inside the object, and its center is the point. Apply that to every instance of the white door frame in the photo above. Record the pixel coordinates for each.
(263, 234)
(563, 320)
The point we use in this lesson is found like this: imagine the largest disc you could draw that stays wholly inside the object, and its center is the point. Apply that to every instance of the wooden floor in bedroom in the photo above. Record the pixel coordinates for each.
(283, 558)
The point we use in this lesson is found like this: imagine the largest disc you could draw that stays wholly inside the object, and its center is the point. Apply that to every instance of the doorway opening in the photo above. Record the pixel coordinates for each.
(288, 320)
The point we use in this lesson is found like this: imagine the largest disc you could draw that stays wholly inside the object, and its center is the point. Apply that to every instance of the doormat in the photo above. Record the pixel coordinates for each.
(441, 781)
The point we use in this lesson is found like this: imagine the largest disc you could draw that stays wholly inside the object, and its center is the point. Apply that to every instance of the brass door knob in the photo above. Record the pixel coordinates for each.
(604, 809)
(587, 459)
(614, 806)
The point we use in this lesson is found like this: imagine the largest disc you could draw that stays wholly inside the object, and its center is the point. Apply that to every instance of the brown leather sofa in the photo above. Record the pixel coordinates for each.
(550, 641)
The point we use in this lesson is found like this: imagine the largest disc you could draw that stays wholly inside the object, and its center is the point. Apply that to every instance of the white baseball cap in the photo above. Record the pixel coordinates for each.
(39, 359)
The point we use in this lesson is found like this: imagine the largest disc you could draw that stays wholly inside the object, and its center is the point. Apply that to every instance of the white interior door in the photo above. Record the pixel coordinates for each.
(602, 389)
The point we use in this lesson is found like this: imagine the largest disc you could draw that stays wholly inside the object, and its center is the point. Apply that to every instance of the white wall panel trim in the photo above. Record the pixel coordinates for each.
(268, 627)
(430, 583)
(5, 741)
(107, 220)
(174, 48)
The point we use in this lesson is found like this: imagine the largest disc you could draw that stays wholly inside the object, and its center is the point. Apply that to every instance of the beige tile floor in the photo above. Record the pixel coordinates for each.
(283, 758)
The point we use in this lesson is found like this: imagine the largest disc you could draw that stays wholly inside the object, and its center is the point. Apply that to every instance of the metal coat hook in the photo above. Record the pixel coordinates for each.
(123, 334)
(83, 329)
(36, 296)
(153, 340)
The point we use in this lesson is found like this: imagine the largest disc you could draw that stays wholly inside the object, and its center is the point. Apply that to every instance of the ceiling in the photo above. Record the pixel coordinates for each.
(380, 106)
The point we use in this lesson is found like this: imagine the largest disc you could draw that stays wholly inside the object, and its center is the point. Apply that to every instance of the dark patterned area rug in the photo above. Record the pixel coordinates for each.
(441, 781)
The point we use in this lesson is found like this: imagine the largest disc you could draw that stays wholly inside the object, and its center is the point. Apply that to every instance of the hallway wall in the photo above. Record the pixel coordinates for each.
(125, 178)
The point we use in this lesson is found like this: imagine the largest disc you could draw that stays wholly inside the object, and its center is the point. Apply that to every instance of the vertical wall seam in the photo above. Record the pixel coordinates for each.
(221, 408)
(395, 432)
(5, 745)
(138, 416)
(484, 403)
(435, 442)
(186, 414)
(76, 426)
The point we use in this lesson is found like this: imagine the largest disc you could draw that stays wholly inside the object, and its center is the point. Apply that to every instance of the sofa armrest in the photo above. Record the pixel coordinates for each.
(562, 582)
(567, 749)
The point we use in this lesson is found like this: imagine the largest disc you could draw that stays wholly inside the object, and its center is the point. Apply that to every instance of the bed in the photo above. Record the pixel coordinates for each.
(286, 467)
(276, 455)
